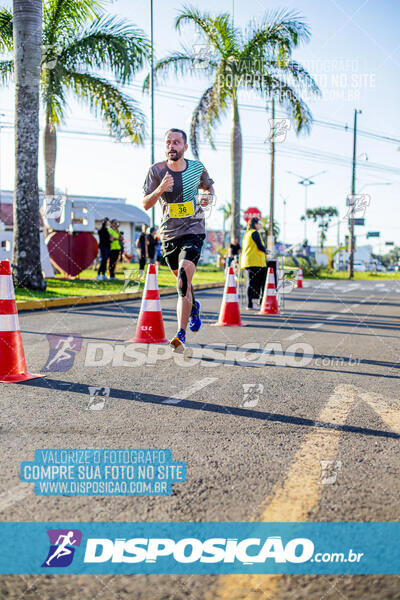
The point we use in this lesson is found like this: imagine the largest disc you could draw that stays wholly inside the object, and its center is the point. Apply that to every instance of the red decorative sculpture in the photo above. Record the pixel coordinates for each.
(72, 253)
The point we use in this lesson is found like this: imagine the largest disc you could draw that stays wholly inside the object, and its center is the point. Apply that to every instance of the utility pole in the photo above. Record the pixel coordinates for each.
(350, 267)
(271, 238)
(153, 210)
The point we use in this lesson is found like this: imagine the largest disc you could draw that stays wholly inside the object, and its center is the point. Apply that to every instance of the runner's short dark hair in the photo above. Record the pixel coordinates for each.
(173, 130)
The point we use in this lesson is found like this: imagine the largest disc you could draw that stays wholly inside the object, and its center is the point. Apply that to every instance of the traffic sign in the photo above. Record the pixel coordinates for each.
(251, 213)
(373, 234)
(389, 243)
(357, 221)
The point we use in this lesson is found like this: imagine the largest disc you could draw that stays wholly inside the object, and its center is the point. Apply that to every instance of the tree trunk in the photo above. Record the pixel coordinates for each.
(236, 162)
(50, 155)
(27, 269)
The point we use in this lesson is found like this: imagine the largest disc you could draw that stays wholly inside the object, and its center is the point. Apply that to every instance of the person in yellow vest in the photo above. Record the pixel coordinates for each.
(254, 260)
(115, 247)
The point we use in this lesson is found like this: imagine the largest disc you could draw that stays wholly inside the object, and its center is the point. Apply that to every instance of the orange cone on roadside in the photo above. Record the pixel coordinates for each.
(229, 315)
(12, 356)
(299, 278)
(270, 304)
(150, 325)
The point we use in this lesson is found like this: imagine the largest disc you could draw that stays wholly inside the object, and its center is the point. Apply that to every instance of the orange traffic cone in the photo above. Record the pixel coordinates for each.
(150, 326)
(270, 304)
(229, 315)
(299, 278)
(12, 357)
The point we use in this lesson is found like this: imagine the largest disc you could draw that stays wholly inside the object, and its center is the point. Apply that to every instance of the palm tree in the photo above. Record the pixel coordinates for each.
(226, 210)
(258, 58)
(27, 269)
(80, 42)
(324, 215)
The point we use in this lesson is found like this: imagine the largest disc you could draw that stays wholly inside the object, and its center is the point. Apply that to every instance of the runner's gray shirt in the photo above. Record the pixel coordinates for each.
(185, 189)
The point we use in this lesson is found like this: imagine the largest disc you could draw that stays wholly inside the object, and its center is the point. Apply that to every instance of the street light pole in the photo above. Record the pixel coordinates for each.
(153, 217)
(306, 182)
(350, 267)
(284, 198)
(271, 237)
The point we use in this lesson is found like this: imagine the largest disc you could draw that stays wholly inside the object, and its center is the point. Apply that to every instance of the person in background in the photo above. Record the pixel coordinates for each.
(122, 242)
(254, 261)
(115, 246)
(104, 247)
(152, 246)
(141, 247)
(234, 251)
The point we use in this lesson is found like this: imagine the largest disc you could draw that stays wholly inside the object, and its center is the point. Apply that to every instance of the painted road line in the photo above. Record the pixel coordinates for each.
(294, 498)
(315, 326)
(294, 336)
(389, 415)
(345, 310)
(355, 305)
(331, 317)
(14, 495)
(196, 387)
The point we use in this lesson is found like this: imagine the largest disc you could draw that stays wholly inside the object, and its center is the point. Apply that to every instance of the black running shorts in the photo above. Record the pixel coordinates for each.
(186, 247)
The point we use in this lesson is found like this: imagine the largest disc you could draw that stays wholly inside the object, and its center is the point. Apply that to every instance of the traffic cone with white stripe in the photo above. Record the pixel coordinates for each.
(150, 326)
(299, 283)
(229, 315)
(270, 304)
(12, 356)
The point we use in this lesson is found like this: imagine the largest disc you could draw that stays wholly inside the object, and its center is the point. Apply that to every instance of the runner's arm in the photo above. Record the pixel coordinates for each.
(152, 197)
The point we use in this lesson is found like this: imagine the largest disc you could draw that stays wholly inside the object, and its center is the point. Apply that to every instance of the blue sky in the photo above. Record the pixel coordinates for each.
(354, 54)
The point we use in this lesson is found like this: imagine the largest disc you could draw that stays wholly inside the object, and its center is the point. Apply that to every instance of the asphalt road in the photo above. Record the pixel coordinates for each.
(318, 383)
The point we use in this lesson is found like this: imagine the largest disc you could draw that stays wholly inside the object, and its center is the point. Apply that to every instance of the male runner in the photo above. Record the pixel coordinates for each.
(176, 182)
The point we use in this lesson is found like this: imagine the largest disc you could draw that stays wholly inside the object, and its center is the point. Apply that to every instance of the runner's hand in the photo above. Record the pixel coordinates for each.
(167, 183)
(205, 198)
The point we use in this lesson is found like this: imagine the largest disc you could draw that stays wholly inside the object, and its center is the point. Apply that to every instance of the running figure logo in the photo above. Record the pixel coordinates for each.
(62, 542)
(62, 351)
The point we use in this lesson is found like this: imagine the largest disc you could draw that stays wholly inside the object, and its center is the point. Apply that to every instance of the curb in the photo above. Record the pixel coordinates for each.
(42, 304)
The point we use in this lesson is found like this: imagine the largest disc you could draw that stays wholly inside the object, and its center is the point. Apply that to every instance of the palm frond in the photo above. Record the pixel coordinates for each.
(211, 107)
(228, 35)
(6, 71)
(182, 63)
(301, 77)
(287, 96)
(108, 43)
(62, 17)
(203, 24)
(6, 29)
(118, 111)
(52, 95)
(279, 29)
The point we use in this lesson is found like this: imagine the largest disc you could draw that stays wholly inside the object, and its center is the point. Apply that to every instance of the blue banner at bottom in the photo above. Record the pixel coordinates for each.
(204, 548)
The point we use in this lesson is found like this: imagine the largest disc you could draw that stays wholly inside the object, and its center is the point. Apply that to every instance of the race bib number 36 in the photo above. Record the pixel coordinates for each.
(180, 209)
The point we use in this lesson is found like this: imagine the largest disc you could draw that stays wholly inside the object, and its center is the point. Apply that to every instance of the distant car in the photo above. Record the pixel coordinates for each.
(391, 268)
(359, 267)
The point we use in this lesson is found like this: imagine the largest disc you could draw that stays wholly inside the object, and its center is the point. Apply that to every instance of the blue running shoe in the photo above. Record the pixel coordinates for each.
(178, 342)
(194, 319)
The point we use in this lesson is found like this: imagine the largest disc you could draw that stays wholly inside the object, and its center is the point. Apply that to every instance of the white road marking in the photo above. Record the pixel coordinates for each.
(294, 336)
(331, 317)
(196, 387)
(315, 325)
(355, 305)
(345, 310)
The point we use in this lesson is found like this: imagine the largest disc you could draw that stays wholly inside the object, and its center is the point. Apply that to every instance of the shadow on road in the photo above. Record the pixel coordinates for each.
(79, 388)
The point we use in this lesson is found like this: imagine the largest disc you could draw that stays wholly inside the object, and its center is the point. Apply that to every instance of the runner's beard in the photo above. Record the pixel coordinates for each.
(175, 156)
